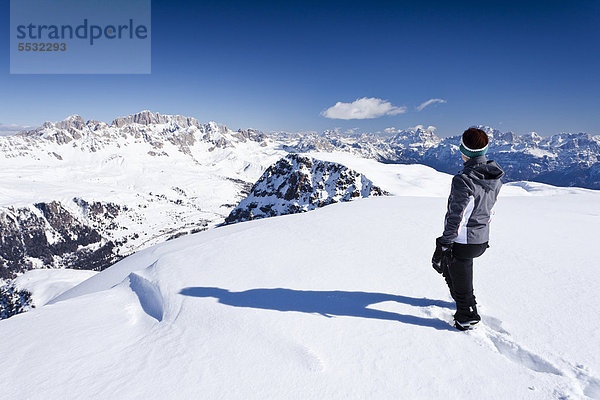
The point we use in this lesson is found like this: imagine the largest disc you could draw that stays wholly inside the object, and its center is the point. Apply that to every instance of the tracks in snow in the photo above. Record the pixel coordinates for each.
(491, 335)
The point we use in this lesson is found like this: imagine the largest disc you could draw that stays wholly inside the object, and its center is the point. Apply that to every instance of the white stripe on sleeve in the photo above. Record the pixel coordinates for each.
(462, 228)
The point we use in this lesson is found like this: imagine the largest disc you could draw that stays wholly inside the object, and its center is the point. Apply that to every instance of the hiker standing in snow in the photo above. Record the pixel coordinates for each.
(466, 226)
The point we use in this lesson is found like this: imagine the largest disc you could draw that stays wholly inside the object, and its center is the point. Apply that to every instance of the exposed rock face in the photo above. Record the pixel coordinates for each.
(565, 159)
(150, 118)
(48, 235)
(297, 184)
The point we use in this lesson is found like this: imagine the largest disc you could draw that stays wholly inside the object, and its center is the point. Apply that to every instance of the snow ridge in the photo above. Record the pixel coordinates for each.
(148, 294)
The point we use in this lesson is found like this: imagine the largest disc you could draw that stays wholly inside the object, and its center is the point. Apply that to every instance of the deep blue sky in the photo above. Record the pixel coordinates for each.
(517, 66)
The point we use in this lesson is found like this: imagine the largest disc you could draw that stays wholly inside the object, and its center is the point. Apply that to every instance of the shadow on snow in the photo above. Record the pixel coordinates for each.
(326, 303)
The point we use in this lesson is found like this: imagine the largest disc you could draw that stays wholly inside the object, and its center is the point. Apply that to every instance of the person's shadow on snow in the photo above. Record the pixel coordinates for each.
(326, 303)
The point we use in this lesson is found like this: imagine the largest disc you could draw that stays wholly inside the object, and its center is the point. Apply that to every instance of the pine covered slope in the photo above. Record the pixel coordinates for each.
(48, 235)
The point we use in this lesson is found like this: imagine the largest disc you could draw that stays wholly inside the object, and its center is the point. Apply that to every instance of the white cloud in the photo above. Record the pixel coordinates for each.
(11, 129)
(363, 108)
(429, 102)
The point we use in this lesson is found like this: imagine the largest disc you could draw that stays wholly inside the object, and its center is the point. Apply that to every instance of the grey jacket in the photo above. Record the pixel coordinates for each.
(472, 197)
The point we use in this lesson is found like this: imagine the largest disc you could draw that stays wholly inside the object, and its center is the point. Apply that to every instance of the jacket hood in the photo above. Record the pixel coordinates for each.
(486, 173)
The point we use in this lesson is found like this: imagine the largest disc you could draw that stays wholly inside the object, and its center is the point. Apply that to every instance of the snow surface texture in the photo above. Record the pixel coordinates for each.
(35, 288)
(297, 184)
(337, 303)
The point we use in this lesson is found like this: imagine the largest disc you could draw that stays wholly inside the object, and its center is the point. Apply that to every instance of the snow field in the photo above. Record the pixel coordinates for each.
(340, 302)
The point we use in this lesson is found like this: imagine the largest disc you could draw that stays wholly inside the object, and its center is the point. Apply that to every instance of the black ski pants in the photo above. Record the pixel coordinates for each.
(459, 275)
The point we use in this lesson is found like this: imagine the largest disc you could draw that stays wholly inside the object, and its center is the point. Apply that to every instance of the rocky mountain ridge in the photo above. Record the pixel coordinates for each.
(566, 159)
(297, 184)
(144, 127)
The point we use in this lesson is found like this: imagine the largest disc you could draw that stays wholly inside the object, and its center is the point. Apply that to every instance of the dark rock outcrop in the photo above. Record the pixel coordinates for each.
(48, 235)
(296, 184)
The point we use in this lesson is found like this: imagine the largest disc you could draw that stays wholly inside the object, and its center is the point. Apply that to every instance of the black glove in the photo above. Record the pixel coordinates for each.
(442, 256)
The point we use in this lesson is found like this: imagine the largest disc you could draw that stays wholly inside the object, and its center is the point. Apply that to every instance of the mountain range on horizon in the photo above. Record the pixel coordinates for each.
(565, 159)
(146, 117)
(84, 194)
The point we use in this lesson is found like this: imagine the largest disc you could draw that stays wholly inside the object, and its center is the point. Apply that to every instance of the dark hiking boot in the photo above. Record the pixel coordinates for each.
(466, 318)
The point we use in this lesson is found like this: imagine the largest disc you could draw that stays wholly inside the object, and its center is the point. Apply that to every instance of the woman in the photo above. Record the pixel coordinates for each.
(466, 226)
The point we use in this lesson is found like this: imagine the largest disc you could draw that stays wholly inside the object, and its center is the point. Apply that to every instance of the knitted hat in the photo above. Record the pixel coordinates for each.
(474, 143)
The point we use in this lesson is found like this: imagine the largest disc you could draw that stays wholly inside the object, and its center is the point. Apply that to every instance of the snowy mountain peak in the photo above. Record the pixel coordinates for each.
(147, 117)
(417, 136)
(73, 119)
(296, 184)
(532, 137)
(334, 304)
(72, 124)
(509, 137)
(491, 132)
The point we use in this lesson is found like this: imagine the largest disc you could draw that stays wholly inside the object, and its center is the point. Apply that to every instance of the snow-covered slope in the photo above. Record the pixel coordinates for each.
(397, 179)
(337, 303)
(46, 284)
(159, 176)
